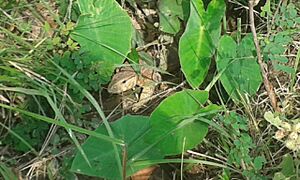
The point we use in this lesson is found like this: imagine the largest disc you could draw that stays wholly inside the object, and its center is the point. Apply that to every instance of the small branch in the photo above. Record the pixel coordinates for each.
(262, 65)
(273, 17)
(276, 12)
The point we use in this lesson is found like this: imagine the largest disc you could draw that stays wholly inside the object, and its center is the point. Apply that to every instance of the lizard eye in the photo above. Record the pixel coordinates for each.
(124, 81)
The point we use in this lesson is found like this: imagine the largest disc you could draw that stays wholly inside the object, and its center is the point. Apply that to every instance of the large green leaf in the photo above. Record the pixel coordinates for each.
(173, 122)
(101, 154)
(104, 31)
(200, 39)
(170, 11)
(242, 73)
(287, 166)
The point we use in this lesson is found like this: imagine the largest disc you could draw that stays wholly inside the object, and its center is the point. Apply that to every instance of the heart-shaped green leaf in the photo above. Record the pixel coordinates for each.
(174, 125)
(241, 70)
(170, 12)
(200, 39)
(288, 166)
(101, 154)
(104, 31)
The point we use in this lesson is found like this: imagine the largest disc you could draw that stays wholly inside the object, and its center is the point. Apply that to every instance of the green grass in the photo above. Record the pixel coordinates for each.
(49, 79)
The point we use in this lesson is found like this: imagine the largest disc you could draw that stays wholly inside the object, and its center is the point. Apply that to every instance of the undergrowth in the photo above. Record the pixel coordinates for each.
(204, 110)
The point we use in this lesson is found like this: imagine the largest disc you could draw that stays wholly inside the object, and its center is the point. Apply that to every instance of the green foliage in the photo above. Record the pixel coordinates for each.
(288, 168)
(62, 42)
(170, 13)
(200, 39)
(275, 49)
(29, 133)
(7, 172)
(239, 153)
(131, 129)
(86, 72)
(266, 10)
(65, 168)
(172, 124)
(289, 129)
(8, 4)
(287, 18)
(174, 121)
(104, 31)
(241, 71)
(10, 76)
(286, 25)
(63, 6)
(33, 132)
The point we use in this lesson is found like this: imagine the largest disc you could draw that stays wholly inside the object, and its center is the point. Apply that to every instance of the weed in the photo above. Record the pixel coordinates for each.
(283, 29)
(55, 55)
(240, 146)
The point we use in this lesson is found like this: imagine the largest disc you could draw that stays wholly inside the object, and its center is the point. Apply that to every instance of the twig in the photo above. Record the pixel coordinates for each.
(262, 65)
(274, 16)
(241, 6)
(276, 12)
(69, 12)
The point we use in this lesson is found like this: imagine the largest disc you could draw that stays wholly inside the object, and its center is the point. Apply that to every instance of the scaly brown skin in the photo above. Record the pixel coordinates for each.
(126, 78)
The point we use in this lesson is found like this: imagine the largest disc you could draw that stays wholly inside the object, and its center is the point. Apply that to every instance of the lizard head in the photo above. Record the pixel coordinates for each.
(122, 81)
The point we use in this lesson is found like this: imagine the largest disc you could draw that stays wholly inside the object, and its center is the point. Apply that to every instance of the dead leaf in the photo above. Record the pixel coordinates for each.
(143, 174)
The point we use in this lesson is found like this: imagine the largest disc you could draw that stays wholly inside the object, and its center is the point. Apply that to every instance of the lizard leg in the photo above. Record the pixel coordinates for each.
(145, 96)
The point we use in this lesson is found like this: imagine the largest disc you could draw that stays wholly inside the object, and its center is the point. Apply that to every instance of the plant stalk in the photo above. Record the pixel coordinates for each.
(263, 67)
